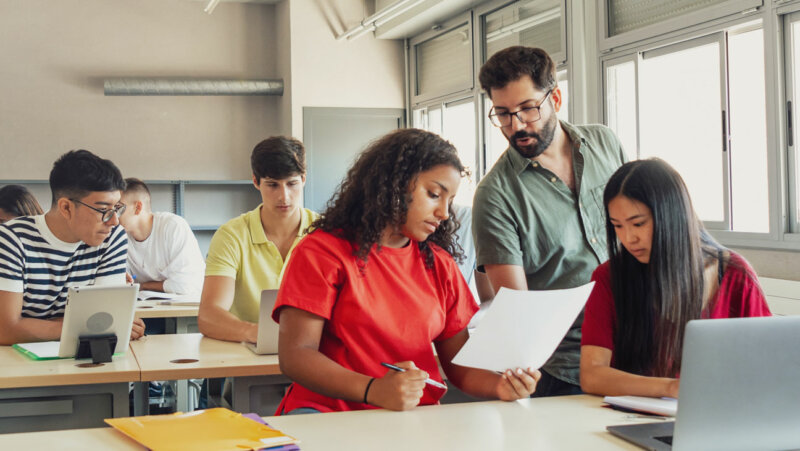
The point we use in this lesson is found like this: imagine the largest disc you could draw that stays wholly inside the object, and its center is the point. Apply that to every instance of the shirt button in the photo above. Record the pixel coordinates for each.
(535, 164)
(553, 179)
(594, 240)
(580, 204)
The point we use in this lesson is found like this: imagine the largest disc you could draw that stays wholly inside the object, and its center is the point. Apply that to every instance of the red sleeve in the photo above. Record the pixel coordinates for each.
(313, 276)
(460, 306)
(740, 295)
(600, 316)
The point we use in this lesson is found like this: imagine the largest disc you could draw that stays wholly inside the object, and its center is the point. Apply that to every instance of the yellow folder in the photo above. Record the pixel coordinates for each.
(212, 430)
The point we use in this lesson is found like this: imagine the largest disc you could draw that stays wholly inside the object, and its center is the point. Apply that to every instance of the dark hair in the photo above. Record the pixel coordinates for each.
(137, 187)
(374, 194)
(80, 172)
(278, 157)
(16, 200)
(515, 62)
(654, 301)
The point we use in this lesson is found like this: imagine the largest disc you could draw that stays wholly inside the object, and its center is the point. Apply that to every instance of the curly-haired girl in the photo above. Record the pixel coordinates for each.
(376, 282)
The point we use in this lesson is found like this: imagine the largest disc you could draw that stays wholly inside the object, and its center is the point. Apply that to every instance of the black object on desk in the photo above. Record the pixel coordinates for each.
(98, 347)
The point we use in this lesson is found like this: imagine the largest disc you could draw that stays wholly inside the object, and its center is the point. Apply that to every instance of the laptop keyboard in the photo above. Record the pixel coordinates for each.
(666, 439)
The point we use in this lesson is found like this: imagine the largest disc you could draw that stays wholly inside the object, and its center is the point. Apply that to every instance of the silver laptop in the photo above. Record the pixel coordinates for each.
(98, 309)
(267, 328)
(740, 389)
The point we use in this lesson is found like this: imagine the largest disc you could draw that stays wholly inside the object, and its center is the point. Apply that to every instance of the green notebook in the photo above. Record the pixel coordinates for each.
(45, 350)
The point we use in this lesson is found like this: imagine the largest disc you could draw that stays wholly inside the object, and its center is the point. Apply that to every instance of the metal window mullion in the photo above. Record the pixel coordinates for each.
(727, 191)
(636, 61)
(793, 178)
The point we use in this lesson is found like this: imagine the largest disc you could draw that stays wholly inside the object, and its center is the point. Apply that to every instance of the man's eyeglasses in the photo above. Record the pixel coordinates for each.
(525, 115)
(107, 212)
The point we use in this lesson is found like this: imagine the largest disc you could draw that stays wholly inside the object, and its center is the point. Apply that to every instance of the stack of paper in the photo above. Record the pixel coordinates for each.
(211, 430)
(659, 406)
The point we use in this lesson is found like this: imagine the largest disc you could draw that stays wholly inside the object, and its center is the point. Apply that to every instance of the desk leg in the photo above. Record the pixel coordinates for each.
(258, 394)
(183, 396)
(141, 398)
(182, 324)
(170, 325)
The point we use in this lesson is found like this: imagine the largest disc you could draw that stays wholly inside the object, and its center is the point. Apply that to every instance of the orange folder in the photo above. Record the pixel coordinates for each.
(211, 429)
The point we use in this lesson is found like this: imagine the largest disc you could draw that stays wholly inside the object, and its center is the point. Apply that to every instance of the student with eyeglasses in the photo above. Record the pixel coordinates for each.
(77, 242)
(537, 215)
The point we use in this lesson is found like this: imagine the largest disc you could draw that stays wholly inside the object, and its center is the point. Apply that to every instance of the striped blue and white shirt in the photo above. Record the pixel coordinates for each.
(41, 267)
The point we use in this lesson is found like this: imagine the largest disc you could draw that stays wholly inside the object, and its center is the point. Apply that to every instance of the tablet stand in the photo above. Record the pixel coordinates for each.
(98, 347)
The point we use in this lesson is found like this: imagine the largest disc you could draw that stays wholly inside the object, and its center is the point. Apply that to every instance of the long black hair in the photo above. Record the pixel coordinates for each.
(375, 192)
(654, 301)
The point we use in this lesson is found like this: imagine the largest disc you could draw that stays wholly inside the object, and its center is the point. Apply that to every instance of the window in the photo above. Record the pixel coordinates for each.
(792, 39)
(443, 62)
(455, 121)
(700, 105)
(445, 98)
(531, 23)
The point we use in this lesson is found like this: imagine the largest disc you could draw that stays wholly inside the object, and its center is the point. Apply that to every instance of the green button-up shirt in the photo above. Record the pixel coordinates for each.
(524, 215)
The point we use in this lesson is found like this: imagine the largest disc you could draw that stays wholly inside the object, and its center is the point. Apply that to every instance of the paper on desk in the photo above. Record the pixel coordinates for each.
(659, 406)
(169, 298)
(522, 328)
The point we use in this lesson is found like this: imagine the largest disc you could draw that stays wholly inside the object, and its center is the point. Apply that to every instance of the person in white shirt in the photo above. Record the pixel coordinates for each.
(163, 253)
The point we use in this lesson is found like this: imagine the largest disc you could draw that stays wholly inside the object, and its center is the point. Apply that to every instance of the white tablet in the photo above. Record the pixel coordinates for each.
(96, 310)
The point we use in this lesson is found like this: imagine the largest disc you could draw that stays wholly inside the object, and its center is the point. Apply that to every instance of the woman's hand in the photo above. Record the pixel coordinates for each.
(673, 386)
(517, 384)
(398, 390)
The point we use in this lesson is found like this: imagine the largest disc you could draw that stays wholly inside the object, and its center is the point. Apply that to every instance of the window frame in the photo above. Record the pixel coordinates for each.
(780, 236)
(791, 136)
(731, 8)
(440, 30)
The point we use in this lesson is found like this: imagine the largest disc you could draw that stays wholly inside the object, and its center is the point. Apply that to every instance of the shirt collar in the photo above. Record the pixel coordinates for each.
(257, 235)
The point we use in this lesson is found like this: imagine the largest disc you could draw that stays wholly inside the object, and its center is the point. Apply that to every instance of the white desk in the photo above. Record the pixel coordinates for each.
(51, 394)
(257, 379)
(549, 424)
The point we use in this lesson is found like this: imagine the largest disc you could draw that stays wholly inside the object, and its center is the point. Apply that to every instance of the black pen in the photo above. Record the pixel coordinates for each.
(427, 381)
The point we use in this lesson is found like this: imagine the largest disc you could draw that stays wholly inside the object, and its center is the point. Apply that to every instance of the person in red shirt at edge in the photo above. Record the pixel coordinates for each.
(664, 269)
(376, 282)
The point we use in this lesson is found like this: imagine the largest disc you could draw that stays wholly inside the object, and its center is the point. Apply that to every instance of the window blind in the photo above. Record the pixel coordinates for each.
(627, 15)
(444, 63)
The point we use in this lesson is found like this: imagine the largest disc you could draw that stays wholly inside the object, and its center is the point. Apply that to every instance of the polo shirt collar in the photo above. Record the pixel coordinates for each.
(257, 235)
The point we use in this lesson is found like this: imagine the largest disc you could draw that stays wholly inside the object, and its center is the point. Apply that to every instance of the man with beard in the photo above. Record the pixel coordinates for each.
(538, 217)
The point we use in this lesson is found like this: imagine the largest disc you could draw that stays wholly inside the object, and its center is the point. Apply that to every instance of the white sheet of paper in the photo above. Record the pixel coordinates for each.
(522, 328)
(43, 349)
(156, 295)
(661, 406)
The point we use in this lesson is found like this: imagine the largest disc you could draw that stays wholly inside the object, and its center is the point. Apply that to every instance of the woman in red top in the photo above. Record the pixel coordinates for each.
(664, 270)
(376, 283)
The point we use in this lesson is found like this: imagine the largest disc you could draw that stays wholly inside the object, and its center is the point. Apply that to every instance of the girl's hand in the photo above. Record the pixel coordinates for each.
(396, 390)
(517, 384)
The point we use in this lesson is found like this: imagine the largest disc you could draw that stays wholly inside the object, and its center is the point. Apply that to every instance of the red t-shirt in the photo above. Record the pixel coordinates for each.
(738, 296)
(391, 312)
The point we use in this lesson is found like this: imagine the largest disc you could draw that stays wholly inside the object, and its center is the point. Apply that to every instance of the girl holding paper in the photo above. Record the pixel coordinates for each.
(376, 283)
(664, 270)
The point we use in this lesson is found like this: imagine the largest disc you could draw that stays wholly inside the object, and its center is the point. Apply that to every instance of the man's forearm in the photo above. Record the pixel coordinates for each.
(26, 330)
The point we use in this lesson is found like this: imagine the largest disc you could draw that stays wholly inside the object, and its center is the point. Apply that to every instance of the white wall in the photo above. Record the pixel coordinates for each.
(362, 73)
(56, 53)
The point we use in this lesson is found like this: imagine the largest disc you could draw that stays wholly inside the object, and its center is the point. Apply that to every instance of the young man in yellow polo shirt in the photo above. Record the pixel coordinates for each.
(247, 254)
